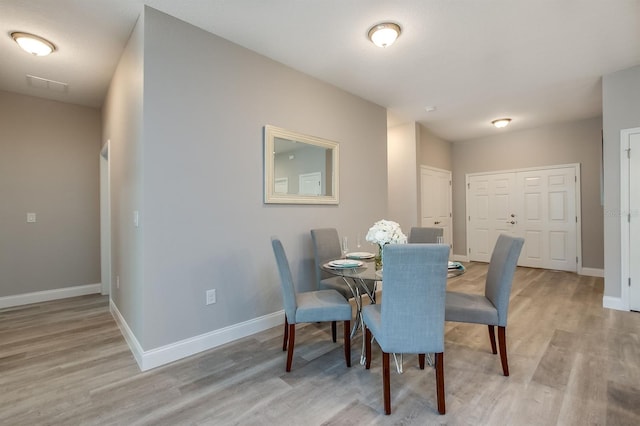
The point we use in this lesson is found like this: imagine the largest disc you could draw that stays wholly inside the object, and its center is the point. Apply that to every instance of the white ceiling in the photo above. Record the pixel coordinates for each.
(536, 61)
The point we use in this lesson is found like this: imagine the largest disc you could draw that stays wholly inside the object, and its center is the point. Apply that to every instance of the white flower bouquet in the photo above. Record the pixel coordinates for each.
(386, 232)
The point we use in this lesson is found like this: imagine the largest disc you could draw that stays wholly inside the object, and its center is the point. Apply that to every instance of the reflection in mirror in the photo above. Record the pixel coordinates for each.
(299, 169)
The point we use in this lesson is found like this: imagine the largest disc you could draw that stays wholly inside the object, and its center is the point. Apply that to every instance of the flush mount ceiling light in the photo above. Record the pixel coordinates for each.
(33, 44)
(501, 122)
(384, 34)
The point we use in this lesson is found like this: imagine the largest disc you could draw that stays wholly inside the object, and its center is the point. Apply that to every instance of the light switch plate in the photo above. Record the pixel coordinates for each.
(31, 217)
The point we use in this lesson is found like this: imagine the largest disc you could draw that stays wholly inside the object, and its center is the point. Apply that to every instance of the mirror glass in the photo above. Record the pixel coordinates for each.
(299, 169)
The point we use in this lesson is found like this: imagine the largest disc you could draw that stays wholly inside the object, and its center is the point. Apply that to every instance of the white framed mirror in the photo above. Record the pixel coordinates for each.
(299, 169)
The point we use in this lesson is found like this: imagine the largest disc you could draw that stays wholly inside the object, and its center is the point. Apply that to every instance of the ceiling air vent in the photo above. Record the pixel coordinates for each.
(44, 83)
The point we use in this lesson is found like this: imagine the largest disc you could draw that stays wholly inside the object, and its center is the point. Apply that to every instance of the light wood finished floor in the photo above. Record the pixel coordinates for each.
(572, 363)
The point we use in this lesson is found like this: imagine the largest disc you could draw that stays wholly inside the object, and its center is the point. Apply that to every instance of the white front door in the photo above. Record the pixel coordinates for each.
(548, 219)
(492, 211)
(435, 200)
(536, 204)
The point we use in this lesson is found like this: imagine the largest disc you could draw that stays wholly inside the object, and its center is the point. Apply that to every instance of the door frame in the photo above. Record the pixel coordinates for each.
(625, 266)
(105, 219)
(449, 199)
(578, 202)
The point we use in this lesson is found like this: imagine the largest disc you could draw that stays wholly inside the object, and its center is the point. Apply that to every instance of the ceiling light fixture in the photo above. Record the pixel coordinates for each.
(384, 34)
(501, 122)
(33, 44)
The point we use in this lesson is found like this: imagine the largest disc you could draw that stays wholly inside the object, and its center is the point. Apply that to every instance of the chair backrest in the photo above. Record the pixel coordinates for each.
(424, 235)
(413, 298)
(286, 282)
(326, 247)
(502, 266)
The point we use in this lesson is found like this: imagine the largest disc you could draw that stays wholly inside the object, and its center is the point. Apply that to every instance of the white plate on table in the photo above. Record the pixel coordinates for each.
(360, 255)
(454, 265)
(345, 264)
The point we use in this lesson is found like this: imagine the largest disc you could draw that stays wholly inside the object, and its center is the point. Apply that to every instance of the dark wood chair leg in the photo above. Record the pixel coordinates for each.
(367, 347)
(440, 382)
(492, 339)
(502, 342)
(333, 331)
(386, 385)
(292, 339)
(286, 334)
(421, 361)
(347, 342)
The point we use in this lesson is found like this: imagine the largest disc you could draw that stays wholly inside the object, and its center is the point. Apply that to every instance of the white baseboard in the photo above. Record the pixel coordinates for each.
(613, 303)
(459, 258)
(592, 272)
(47, 295)
(165, 354)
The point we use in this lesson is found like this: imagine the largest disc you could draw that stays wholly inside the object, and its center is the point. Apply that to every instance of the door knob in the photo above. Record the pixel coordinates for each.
(513, 222)
(436, 223)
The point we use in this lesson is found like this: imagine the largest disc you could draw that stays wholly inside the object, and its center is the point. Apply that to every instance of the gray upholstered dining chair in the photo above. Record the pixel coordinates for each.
(492, 307)
(410, 318)
(424, 235)
(326, 247)
(312, 306)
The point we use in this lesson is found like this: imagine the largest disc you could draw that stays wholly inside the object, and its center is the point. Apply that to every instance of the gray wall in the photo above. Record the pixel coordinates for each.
(403, 175)
(122, 118)
(434, 151)
(575, 142)
(203, 222)
(48, 165)
(620, 110)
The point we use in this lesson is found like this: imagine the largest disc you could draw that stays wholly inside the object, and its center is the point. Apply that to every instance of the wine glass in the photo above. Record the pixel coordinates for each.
(345, 246)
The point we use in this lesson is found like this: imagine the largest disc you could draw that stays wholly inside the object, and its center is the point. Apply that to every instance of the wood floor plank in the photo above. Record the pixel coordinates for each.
(571, 362)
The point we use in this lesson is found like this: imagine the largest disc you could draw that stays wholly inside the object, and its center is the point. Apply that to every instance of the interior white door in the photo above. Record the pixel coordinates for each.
(536, 204)
(492, 210)
(435, 200)
(547, 219)
(634, 222)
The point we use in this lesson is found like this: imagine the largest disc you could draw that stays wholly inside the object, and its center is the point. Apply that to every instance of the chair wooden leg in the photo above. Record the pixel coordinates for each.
(386, 385)
(347, 342)
(292, 339)
(333, 331)
(502, 342)
(421, 361)
(367, 347)
(440, 382)
(286, 334)
(492, 339)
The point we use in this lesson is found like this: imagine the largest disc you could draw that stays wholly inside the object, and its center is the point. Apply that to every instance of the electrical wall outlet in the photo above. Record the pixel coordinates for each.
(211, 296)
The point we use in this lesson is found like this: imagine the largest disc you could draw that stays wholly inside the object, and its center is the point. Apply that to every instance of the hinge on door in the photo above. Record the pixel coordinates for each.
(469, 218)
(629, 281)
(576, 219)
(576, 259)
(470, 253)
(468, 185)
(629, 153)
(449, 183)
(575, 179)
(450, 214)
(629, 217)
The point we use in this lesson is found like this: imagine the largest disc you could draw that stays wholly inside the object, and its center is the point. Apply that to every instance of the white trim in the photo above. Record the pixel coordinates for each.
(47, 295)
(459, 258)
(174, 351)
(625, 267)
(614, 303)
(592, 272)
